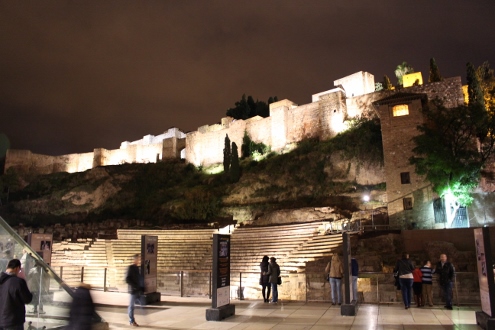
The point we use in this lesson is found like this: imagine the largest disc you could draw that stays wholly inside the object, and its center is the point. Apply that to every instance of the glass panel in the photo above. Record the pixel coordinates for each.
(400, 110)
(49, 308)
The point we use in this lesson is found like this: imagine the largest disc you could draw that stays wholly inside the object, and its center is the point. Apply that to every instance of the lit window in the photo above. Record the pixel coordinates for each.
(408, 204)
(400, 110)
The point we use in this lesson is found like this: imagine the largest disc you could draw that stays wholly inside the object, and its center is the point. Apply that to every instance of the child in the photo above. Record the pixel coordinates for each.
(427, 283)
(417, 286)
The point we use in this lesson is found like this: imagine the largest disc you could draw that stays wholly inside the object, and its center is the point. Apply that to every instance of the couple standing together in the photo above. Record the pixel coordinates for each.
(335, 272)
(270, 277)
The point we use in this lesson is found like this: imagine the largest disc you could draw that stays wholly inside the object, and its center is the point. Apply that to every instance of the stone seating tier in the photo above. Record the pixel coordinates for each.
(182, 250)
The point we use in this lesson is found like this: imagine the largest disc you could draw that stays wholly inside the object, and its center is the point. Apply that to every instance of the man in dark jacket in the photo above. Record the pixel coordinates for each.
(136, 287)
(445, 272)
(14, 295)
(82, 309)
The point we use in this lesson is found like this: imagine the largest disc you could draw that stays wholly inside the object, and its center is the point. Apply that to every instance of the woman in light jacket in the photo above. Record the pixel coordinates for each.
(335, 270)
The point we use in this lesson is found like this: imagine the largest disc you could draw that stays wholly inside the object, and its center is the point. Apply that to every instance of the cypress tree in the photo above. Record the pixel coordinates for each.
(475, 93)
(235, 169)
(226, 155)
(434, 71)
(387, 85)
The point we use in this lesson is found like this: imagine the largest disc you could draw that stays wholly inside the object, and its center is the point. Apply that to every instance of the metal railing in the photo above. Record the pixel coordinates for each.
(373, 287)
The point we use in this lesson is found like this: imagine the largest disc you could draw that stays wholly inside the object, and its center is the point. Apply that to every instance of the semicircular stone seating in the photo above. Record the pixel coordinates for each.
(190, 251)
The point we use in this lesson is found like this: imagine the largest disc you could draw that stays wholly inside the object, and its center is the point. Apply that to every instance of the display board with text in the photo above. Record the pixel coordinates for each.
(221, 270)
(485, 270)
(149, 252)
(42, 244)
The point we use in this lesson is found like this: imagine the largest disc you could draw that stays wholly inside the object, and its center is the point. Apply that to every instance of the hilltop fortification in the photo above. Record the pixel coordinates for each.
(287, 124)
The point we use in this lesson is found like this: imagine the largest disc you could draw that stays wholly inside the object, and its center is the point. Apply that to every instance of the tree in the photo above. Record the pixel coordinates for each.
(387, 85)
(475, 93)
(247, 108)
(487, 81)
(249, 148)
(434, 71)
(451, 153)
(235, 169)
(226, 155)
(401, 70)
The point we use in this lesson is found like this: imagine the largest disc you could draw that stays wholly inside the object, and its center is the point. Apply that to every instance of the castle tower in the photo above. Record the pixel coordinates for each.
(410, 196)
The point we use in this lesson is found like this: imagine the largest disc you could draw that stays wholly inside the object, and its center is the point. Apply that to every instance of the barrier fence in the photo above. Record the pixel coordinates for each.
(373, 287)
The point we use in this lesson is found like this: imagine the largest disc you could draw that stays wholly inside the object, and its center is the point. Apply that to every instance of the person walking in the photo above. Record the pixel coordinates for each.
(273, 277)
(404, 269)
(427, 281)
(136, 287)
(82, 309)
(418, 286)
(264, 279)
(354, 274)
(35, 285)
(14, 295)
(446, 274)
(336, 271)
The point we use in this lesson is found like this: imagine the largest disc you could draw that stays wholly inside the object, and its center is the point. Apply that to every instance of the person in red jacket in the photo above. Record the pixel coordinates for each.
(418, 286)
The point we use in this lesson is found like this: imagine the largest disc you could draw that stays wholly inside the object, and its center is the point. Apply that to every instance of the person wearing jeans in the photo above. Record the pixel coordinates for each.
(336, 271)
(136, 287)
(445, 272)
(354, 274)
(273, 275)
(404, 268)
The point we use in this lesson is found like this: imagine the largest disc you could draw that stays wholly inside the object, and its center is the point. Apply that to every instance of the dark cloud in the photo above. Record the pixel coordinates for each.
(76, 75)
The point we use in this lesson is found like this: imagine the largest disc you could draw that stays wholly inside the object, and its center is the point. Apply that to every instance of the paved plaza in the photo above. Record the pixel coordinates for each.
(189, 313)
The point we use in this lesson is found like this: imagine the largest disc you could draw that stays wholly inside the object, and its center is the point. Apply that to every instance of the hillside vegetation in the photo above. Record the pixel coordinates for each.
(315, 173)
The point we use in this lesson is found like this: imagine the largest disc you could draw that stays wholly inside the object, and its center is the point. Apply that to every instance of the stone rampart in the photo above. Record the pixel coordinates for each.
(149, 149)
(288, 123)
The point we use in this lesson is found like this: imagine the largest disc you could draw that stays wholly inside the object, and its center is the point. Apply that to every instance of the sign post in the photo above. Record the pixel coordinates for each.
(486, 317)
(220, 300)
(349, 307)
(149, 252)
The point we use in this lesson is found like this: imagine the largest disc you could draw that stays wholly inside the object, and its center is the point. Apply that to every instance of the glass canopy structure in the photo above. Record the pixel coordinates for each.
(51, 296)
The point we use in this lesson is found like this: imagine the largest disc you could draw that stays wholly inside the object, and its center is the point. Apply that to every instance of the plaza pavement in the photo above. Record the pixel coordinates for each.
(177, 313)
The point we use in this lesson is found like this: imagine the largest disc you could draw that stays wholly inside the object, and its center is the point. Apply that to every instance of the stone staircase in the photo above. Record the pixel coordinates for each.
(69, 258)
(179, 250)
(190, 252)
(293, 245)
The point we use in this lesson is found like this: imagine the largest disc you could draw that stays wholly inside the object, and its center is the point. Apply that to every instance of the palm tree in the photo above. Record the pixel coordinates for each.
(401, 70)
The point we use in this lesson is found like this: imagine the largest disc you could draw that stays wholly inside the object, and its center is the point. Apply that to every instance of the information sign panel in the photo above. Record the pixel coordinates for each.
(221, 270)
(42, 244)
(149, 252)
(485, 270)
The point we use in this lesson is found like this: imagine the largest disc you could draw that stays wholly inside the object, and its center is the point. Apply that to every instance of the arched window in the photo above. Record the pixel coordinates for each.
(400, 110)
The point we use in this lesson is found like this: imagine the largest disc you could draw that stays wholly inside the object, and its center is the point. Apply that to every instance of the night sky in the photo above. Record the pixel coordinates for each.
(78, 75)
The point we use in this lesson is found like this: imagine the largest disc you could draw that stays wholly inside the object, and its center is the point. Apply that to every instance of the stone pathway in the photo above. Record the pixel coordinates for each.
(176, 313)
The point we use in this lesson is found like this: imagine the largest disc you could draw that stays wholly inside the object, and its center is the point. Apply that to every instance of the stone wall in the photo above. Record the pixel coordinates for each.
(150, 149)
(397, 134)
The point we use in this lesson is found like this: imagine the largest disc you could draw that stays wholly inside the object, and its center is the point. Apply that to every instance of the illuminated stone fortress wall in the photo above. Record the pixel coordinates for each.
(149, 149)
(287, 124)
